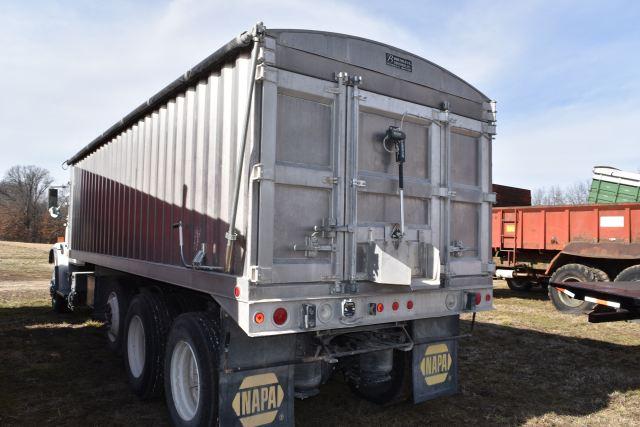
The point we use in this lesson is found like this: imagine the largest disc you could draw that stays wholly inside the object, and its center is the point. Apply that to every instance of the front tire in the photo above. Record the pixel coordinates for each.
(147, 325)
(191, 370)
(573, 273)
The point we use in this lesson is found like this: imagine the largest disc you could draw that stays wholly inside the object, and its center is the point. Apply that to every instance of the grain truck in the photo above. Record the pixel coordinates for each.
(297, 204)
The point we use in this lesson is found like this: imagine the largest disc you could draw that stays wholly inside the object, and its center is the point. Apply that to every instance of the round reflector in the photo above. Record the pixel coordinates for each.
(410, 305)
(325, 312)
(258, 317)
(395, 306)
(280, 316)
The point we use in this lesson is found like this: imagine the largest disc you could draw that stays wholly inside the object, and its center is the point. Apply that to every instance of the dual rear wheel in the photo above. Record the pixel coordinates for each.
(164, 351)
(191, 370)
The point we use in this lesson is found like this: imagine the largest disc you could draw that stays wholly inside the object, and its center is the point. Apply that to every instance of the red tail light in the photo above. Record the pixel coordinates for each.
(258, 318)
(236, 291)
(280, 316)
(478, 298)
(380, 308)
(395, 306)
(410, 305)
(487, 297)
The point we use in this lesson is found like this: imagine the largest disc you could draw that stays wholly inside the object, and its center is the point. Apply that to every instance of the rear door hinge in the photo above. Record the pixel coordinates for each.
(259, 274)
(331, 180)
(446, 192)
(260, 173)
(490, 197)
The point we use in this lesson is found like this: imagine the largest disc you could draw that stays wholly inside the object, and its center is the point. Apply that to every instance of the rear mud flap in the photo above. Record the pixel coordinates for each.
(257, 397)
(435, 370)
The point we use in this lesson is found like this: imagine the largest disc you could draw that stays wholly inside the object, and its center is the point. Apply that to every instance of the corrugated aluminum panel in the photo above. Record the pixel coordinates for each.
(175, 164)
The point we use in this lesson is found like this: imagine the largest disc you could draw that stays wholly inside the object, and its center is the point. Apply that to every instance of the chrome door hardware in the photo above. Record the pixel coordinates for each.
(312, 246)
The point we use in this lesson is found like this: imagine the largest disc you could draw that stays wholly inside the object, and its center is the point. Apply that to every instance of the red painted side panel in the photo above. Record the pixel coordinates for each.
(553, 227)
(532, 229)
(495, 227)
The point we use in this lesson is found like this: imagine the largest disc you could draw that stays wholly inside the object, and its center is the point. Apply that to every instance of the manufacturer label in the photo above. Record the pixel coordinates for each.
(258, 399)
(435, 364)
(612, 221)
(399, 62)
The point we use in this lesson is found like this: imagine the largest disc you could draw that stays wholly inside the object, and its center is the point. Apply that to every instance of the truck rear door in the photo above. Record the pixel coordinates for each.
(373, 202)
(331, 210)
(302, 144)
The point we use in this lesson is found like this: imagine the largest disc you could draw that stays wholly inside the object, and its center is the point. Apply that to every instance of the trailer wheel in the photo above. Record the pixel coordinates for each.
(115, 314)
(395, 390)
(573, 273)
(629, 274)
(191, 370)
(519, 284)
(147, 324)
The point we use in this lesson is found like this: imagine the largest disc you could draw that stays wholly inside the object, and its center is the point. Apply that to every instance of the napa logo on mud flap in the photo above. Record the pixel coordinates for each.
(258, 399)
(436, 363)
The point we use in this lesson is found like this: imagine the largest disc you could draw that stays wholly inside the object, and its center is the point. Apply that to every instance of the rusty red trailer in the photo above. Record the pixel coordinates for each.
(584, 242)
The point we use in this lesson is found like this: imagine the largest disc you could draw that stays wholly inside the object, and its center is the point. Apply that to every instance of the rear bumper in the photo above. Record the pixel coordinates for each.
(347, 310)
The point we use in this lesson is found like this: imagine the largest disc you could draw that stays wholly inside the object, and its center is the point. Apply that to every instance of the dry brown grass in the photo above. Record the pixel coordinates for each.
(525, 364)
(24, 261)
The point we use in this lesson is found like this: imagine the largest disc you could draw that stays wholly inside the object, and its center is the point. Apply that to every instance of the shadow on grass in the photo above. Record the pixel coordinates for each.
(507, 376)
(65, 375)
(55, 369)
(535, 294)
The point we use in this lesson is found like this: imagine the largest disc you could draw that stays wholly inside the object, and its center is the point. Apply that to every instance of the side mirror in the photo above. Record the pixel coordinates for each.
(53, 198)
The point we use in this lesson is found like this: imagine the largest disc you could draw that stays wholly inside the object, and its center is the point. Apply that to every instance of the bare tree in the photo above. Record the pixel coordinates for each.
(22, 203)
(578, 193)
(574, 194)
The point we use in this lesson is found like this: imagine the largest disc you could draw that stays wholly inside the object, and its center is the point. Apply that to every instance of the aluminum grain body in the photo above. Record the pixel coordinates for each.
(314, 161)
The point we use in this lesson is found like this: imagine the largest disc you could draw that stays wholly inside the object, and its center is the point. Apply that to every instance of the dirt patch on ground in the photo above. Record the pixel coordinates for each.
(525, 364)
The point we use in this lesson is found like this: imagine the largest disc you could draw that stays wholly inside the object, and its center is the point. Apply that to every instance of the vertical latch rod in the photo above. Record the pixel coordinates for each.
(396, 136)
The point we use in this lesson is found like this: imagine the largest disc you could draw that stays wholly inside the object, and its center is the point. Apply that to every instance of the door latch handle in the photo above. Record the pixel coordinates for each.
(312, 246)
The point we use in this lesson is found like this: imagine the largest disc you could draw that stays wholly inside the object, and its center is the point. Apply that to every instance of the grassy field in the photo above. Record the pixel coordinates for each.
(525, 364)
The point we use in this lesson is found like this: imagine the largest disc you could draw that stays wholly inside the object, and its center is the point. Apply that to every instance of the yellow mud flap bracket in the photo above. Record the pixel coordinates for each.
(257, 397)
(435, 370)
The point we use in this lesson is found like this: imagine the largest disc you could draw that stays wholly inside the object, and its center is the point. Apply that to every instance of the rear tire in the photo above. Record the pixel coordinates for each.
(147, 325)
(519, 284)
(574, 273)
(115, 315)
(191, 370)
(396, 389)
(630, 274)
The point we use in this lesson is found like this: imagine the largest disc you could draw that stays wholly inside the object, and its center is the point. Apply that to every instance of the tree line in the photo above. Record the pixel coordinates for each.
(574, 194)
(23, 206)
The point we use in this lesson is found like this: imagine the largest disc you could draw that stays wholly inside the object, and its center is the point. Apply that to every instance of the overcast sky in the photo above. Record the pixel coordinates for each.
(565, 74)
